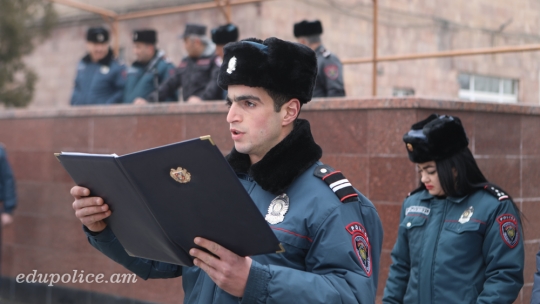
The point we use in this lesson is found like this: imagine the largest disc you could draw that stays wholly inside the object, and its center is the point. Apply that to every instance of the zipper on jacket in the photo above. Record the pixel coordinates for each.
(436, 247)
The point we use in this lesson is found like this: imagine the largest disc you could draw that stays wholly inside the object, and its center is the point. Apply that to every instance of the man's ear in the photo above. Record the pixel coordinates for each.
(291, 111)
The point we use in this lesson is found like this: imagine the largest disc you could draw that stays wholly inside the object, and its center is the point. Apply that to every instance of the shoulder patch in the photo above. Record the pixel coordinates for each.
(331, 71)
(361, 245)
(508, 229)
(496, 191)
(203, 62)
(337, 182)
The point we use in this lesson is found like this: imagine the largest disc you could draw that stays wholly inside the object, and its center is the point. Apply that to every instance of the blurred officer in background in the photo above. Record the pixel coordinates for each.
(150, 68)
(100, 78)
(195, 74)
(330, 76)
(222, 35)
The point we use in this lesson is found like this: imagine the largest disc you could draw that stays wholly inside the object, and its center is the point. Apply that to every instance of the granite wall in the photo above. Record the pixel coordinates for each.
(360, 137)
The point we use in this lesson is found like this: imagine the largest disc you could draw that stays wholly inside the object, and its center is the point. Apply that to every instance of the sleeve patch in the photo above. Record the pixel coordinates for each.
(361, 245)
(331, 71)
(508, 229)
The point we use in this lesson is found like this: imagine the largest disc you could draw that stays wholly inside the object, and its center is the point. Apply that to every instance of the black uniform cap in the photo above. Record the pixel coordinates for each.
(194, 29)
(145, 36)
(435, 138)
(224, 34)
(97, 34)
(307, 28)
(280, 66)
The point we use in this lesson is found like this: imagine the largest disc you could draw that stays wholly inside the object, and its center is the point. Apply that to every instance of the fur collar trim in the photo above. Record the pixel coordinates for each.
(283, 163)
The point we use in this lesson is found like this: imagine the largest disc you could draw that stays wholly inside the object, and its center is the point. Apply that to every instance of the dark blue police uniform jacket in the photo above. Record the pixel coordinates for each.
(7, 183)
(144, 78)
(99, 82)
(332, 249)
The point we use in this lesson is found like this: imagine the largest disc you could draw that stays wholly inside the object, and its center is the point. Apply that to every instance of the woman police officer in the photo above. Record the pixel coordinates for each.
(459, 238)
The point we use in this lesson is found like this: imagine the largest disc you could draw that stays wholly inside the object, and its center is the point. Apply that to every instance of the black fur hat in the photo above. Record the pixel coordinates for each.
(224, 34)
(97, 34)
(283, 67)
(307, 28)
(435, 138)
(145, 36)
(194, 29)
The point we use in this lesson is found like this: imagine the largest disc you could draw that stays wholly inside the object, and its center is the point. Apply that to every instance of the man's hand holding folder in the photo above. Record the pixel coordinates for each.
(91, 211)
(228, 270)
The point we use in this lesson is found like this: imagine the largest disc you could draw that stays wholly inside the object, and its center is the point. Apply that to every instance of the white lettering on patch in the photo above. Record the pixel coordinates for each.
(417, 209)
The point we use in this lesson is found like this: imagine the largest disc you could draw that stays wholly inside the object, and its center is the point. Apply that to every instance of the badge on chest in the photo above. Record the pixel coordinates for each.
(466, 215)
(277, 209)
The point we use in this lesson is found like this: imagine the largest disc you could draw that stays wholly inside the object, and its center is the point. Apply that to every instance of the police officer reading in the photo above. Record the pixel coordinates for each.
(332, 234)
(100, 78)
(459, 240)
(330, 71)
(150, 68)
(195, 73)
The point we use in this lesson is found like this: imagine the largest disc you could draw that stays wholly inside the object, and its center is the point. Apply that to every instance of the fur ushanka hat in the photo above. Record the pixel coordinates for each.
(283, 67)
(307, 28)
(435, 138)
(224, 34)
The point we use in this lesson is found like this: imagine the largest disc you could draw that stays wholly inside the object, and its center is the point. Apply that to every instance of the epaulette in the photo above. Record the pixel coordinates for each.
(416, 190)
(337, 182)
(326, 53)
(496, 191)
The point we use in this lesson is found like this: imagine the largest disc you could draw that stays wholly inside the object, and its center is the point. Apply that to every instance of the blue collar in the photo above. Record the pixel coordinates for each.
(425, 196)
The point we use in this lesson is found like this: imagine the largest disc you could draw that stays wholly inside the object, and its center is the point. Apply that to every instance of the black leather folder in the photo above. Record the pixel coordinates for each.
(162, 198)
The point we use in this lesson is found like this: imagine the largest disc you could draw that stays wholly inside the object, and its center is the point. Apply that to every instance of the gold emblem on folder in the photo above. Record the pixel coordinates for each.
(181, 175)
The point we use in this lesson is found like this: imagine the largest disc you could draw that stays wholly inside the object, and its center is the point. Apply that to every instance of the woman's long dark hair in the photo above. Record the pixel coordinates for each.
(460, 175)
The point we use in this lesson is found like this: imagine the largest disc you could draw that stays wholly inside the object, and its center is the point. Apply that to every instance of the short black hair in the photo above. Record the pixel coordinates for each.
(279, 99)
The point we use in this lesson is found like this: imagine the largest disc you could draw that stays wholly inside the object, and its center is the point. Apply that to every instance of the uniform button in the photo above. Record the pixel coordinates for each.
(409, 224)
(324, 170)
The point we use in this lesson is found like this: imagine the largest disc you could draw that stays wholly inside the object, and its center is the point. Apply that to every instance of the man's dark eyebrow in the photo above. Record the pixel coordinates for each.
(246, 97)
